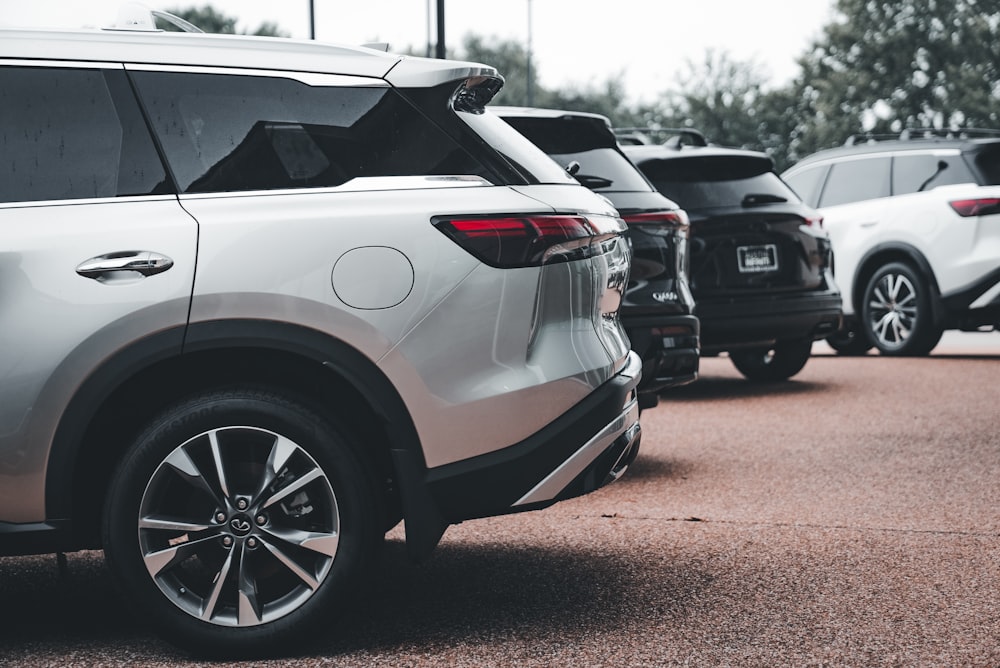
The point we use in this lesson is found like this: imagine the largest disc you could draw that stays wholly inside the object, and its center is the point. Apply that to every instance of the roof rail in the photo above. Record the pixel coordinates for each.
(138, 17)
(921, 133)
(672, 137)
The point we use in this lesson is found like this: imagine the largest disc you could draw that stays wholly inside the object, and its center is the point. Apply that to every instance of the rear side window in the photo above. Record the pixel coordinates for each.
(923, 171)
(69, 133)
(856, 180)
(807, 183)
(717, 181)
(223, 132)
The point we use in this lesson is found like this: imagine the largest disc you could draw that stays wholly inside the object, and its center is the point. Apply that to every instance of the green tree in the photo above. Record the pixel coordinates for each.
(210, 20)
(884, 66)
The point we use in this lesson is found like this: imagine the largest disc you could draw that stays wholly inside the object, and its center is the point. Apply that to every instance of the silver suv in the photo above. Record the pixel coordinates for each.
(260, 300)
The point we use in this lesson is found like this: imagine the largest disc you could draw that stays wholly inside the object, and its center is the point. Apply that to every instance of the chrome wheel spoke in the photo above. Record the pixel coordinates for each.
(323, 543)
(184, 466)
(220, 470)
(159, 561)
(250, 610)
(208, 609)
(297, 484)
(281, 451)
(156, 523)
(292, 565)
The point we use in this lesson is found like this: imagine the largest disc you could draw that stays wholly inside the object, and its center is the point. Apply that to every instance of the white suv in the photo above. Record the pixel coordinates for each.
(915, 226)
(262, 299)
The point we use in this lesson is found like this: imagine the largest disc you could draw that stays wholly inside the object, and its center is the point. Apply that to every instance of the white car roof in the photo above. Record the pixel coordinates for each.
(236, 51)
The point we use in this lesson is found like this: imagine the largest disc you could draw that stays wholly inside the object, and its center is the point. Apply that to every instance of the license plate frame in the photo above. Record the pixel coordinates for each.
(757, 259)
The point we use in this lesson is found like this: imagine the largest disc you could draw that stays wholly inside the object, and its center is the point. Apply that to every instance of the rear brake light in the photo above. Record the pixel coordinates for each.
(530, 240)
(983, 206)
(662, 223)
(814, 221)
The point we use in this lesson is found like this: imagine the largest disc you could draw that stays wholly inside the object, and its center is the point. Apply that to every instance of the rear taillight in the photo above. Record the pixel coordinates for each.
(983, 206)
(531, 240)
(814, 221)
(663, 223)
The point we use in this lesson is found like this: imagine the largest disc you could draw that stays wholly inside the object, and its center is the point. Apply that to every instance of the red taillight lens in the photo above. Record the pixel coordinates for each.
(982, 206)
(529, 241)
(663, 223)
(814, 221)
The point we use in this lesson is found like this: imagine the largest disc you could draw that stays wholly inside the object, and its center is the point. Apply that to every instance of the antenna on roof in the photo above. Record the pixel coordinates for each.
(137, 16)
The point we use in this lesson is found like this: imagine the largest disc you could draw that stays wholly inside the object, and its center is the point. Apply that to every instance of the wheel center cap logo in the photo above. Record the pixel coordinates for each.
(240, 525)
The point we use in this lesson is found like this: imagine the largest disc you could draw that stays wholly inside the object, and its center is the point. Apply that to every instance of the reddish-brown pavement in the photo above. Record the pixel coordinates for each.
(849, 517)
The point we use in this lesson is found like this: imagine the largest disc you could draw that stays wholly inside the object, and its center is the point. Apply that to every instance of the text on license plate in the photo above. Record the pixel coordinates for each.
(753, 259)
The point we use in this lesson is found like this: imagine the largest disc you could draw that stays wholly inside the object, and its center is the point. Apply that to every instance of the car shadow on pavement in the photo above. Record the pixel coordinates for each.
(708, 388)
(463, 595)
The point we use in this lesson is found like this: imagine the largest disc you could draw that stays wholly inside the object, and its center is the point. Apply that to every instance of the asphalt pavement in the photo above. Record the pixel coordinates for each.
(848, 517)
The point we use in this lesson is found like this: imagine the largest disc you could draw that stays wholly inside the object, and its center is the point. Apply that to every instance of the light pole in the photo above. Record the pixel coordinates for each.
(440, 51)
(312, 20)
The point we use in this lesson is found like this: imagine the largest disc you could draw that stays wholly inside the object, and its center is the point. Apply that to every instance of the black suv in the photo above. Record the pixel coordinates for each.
(658, 311)
(760, 260)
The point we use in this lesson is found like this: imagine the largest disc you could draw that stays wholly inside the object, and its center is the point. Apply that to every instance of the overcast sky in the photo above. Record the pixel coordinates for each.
(574, 42)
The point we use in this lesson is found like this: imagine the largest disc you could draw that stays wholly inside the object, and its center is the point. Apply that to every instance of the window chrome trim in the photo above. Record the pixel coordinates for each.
(83, 201)
(316, 79)
(76, 64)
(358, 184)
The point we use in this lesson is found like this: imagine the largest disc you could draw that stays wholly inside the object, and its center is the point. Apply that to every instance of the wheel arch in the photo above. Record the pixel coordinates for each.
(885, 253)
(115, 402)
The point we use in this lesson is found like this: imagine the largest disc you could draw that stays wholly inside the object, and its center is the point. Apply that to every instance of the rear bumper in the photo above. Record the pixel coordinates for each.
(748, 322)
(584, 449)
(670, 349)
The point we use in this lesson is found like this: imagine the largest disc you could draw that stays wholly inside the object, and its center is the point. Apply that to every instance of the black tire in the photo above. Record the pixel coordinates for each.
(779, 362)
(849, 340)
(238, 521)
(897, 313)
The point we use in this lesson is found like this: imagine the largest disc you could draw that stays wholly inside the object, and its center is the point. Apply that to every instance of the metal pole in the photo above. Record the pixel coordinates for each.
(440, 19)
(312, 20)
(427, 53)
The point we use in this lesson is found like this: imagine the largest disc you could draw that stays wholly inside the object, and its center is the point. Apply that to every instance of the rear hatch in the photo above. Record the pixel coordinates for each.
(749, 231)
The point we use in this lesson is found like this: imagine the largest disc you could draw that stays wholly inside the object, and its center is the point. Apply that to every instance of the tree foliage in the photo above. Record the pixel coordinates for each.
(210, 20)
(885, 66)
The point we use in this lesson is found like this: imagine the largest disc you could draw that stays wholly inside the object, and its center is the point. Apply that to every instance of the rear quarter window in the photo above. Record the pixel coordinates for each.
(856, 180)
(923, 171)
(224, 132)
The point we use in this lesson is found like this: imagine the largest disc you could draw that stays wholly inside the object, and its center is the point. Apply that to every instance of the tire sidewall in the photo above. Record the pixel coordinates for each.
(351, 483)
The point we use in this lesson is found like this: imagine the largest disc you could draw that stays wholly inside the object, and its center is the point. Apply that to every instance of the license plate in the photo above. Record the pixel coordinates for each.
(755, 259)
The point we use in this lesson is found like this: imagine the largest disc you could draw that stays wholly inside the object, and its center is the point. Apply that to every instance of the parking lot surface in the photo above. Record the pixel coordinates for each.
(849, 517)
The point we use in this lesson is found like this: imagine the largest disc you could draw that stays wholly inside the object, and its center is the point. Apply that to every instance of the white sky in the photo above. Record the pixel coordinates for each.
(574, 42)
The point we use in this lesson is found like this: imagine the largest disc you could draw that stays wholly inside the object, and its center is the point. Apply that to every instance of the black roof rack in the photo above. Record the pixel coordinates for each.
(673, 137)
(921, 133)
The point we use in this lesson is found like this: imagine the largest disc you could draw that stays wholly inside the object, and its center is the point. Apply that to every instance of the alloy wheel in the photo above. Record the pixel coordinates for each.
(238, 526)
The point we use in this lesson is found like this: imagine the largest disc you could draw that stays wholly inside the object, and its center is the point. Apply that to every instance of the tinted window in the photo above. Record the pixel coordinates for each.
(526, 158)
(230, 132)
(922, 171)
(856, 180)
(587, 141)
(710, 181)
(988, 163)
(807, 183)
(64, 137)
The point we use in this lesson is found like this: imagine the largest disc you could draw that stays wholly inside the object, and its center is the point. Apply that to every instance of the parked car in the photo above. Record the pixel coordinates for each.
(658, 311)
(261, 299)
(760, 259)
(915, 222)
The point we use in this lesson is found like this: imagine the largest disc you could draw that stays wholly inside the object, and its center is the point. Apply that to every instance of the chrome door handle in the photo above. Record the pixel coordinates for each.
(146, 263)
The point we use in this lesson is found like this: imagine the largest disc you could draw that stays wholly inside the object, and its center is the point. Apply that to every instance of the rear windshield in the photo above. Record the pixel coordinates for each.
(587, 142)
(717, 181)
(988, 164)
(515, 148)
